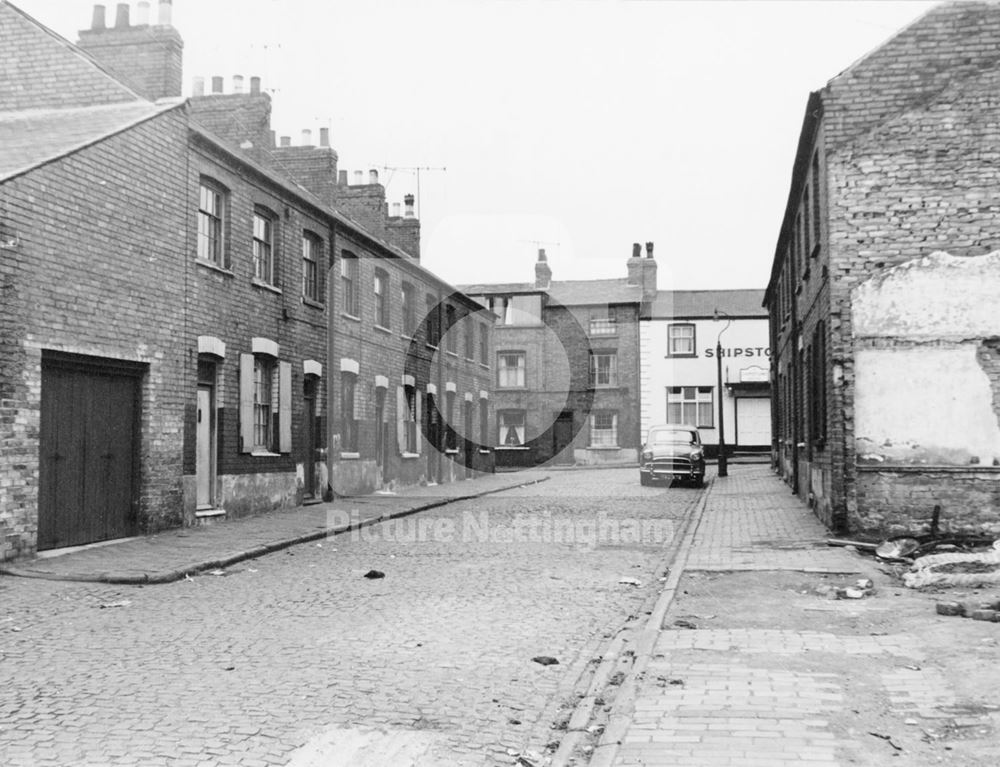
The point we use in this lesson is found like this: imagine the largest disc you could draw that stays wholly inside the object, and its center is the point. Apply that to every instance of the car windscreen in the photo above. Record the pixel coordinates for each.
(671, 436)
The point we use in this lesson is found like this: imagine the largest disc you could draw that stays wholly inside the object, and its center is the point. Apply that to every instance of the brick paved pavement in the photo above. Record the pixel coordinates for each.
(296, 658)
(756, 696)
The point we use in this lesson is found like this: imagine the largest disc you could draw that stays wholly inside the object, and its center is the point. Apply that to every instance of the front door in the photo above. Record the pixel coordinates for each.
(562, 437)
(309, 433)
(470, 444)
(380, 441)
(87, 440)
(204, 439)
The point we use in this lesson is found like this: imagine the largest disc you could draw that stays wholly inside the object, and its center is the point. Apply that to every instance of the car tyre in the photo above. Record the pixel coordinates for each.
(699, 480)
(644, 479)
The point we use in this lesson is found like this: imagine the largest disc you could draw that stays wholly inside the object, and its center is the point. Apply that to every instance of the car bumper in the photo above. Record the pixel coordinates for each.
(671, 469)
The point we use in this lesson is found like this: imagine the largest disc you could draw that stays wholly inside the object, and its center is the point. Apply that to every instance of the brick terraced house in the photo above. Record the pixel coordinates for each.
(886, 364)
(566, 380)
(197, 323)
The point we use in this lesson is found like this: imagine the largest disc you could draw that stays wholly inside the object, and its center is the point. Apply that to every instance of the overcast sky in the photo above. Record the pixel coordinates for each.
(578, 127)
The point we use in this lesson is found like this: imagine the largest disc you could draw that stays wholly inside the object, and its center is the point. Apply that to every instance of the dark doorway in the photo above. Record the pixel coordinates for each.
(562, 438)
(310, 435)
(381, 434)
(469, 442)
(87, 451)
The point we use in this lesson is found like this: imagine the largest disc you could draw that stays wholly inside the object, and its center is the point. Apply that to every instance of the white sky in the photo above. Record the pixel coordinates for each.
(588, 124)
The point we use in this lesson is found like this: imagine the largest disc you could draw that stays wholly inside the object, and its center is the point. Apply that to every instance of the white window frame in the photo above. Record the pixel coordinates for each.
(693, 401)
(610, 372)
(264, 228)
(211, 224)
(517, 373)
(602, 435)
(675, 338)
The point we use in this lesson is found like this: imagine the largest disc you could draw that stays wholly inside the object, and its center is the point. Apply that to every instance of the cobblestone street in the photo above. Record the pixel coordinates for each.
(296, 657)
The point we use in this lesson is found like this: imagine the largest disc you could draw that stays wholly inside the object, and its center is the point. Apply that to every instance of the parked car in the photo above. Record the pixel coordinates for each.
(673, 451)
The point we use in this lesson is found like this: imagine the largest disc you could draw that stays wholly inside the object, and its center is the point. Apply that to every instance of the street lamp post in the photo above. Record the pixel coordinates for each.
(723, 465)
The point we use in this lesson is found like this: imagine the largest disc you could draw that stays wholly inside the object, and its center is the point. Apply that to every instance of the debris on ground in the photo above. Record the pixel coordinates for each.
(980, 610)
(955, 569)
(887, 739)
(864, 545)
(374, 574)
(545, 660)
(630, 581)
(119, 603)
(684, 623)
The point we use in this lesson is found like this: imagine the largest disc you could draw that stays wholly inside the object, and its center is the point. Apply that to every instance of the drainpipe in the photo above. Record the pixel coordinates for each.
(331, 393)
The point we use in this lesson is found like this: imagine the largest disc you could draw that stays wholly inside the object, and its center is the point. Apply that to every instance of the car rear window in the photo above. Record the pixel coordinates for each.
(666, 436)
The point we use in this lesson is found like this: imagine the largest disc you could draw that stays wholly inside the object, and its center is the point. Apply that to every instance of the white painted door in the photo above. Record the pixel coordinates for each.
(753, 422)
(204, 447)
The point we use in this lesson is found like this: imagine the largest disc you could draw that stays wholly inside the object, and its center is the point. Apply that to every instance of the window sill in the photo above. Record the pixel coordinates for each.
(432, 346)
(312, 303)
(484, 365)
(680, 356)
(214, 267)
(484, 451)
(603, 447)
(349, 456)
(409, 456)
(259, 453)
(470, 359)
(512, 388)
(451, 451)
(351, 317)
(452, 354)
(383, 329)
(265, 286)
(406, 337)
(512, 447)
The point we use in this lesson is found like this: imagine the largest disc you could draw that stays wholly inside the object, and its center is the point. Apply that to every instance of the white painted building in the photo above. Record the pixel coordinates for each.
(679, 366)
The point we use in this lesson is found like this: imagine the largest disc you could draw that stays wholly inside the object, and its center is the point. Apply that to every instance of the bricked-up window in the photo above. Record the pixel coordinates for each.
(409, 301)
(484, 421)
(451, 434)
(604, 428)
(680, 340)
(484, 344)
(407, 418)
(211, 218)
(692, 405)
(348, 423)
(815, 200)
(263, 402)
(603, 369)
(263, 246)
(349, 283)
(510, 370)
(433, 321)
(381, 298)
(451, 332)
(470, 340)
(510, 425)
(311, 250)
(817, 394)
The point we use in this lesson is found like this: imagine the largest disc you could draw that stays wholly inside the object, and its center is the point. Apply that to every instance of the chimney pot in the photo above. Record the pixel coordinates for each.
(98, 19)
(649, 250)
(165, 13)
(359, 177)
(307, 137)
(324, 137)
(636, 250)
(254, 86)
(142, 13)
(237, 83)
(121, 18)
(395, 210)
(198, 86)
(342, 177)
(216, 85)
(286, 140)
(373, 177)
(541, 255)
(408, 205)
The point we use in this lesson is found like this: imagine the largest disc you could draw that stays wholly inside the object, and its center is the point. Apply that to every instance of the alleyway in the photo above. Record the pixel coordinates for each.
(297, 654)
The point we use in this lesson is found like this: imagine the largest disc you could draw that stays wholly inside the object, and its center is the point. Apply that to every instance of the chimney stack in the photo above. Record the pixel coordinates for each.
(121, 17)
(98, 19)
(635, 266)
(286, 140)
(408, 206)
(543, 272)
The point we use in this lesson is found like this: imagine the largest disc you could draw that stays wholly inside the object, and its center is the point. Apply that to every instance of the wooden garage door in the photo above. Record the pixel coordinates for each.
(87, 453)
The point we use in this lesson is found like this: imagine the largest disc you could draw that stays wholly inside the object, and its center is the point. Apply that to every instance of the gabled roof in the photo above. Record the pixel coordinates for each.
(567, 292)
(692, 304)
(34, 57)
(33, 137)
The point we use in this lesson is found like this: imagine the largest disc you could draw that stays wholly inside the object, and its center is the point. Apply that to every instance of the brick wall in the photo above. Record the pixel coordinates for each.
(99, 270)
(148, 58)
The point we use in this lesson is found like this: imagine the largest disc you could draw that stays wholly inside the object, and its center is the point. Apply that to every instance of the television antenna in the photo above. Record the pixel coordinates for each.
(413, 169)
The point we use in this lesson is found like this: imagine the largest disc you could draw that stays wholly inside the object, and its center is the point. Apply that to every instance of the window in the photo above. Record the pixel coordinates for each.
(511, 428)
(817, 395)
(470, 340)
(311, 249)
(517, 310)
(815, 198)
(680, 340)
(263, 247)
(348, 424)
(407, 417)
(265, 405)
(349, 282)
(510, 369)
(484, 344)
(263, 402)
(450, 433)
(409, 310)
(211, 201)
(450, 331)
(381, 298)
(691, 405)
(433, 326)
(603, 369)
(606, 325)
(604, 428)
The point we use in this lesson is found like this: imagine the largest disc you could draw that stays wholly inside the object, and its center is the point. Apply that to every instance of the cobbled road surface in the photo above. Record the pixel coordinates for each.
(298, 659)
